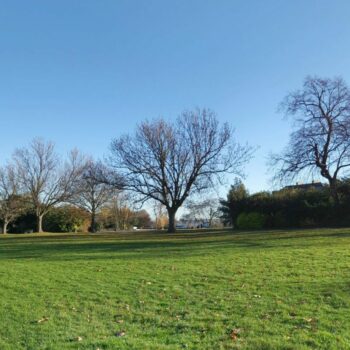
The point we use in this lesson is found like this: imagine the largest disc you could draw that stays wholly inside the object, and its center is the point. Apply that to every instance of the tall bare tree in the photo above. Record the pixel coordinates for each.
(93, 193)
(11, 201)
(45, 178)
(320, 142)
(168, 161)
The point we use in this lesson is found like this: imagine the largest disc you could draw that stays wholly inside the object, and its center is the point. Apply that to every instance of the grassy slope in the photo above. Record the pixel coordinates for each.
(283, 290)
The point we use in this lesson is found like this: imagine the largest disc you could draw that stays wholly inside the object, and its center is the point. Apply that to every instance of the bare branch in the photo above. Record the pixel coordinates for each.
(320, 141)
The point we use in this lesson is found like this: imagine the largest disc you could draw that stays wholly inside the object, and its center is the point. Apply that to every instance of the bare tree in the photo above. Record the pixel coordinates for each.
(11, 202)
(45, 178)
(320, 142)
(204, 210)
(168, 161)
(93, 193)
(120, 210)
(160, 215)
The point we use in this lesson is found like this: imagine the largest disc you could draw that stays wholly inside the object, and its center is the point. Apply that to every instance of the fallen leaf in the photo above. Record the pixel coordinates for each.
(120, 334)
(78, 338)
(44, 319)
(235, 333)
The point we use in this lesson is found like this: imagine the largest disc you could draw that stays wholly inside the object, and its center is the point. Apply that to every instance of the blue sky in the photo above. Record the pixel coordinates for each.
(80, 73)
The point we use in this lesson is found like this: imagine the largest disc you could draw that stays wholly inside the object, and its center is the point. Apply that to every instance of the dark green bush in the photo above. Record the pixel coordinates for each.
(251, 220)
(66, 219)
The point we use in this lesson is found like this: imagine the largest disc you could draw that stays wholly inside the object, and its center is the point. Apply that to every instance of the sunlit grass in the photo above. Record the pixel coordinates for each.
(276, 290)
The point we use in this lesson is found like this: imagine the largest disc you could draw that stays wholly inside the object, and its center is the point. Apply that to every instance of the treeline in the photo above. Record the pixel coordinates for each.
(163, 163)
(69, 218)
(288, 207)
(41, 191)
(319, 145)
(168, 162)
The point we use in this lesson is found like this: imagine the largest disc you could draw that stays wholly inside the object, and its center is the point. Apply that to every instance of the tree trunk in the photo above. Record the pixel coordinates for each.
(4, 227)
(39, 223)
(93, 222)
(116, 226)
(334, 191)
(171, 215)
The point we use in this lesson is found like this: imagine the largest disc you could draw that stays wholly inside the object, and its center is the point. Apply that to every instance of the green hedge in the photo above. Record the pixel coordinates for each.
(251, 220)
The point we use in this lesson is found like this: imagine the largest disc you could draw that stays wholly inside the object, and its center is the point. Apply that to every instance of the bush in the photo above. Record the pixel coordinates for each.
(251, 220)
(307, 222)
(280, 220)
(66, 219)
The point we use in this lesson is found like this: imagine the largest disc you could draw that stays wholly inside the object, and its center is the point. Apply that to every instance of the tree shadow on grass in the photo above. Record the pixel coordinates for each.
(156, 245)
(53, 251)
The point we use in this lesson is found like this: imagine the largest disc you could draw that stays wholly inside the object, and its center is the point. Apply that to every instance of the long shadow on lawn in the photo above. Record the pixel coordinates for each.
(117, 250)
(70, 248)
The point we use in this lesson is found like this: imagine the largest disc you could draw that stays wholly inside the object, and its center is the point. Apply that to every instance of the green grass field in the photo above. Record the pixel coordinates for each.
(210, 290)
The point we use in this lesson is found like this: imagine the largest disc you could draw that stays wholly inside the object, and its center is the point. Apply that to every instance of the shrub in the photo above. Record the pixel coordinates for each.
(66, 219)
(251, 220)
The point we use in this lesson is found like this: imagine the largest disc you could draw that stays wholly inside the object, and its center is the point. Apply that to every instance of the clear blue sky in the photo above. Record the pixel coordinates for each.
(82, 72)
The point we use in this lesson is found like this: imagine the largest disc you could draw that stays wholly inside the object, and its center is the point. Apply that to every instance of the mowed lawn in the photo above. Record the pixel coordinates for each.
(209, 290)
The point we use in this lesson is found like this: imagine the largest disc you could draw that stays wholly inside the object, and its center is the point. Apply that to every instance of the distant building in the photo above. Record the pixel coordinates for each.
(310, 186)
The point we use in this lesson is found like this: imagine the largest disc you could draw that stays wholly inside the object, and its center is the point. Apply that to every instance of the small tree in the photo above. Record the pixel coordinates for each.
(321, 140)
(141, 219)
(119, 208)
(167, 161)
(93, 194)
(234, 203)
(160, 215)
(205, 210)
(45, 178)
(11, 202)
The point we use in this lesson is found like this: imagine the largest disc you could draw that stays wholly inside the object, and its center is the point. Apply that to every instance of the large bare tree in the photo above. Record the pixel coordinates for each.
(93, 193)
(167, 161)
(320, 142)
(45, 178)
(11, 201)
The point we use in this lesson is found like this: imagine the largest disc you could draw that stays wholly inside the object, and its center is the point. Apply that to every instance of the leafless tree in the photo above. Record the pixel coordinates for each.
(93, 193)
(320, 142)
(205, 210)
(168, 161)
(160, 215)
(11, 201)
(120, 209)
(45, 178)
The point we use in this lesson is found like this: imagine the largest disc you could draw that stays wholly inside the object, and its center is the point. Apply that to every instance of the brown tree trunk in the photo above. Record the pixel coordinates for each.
(93, 222)
(171, 215)
(39, 223)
